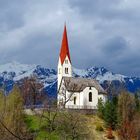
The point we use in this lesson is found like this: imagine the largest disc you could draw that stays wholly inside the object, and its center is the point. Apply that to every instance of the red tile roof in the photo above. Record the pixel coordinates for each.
(64, 47)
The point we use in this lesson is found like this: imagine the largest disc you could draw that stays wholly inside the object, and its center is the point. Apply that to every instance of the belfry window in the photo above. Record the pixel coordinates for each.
(66, 71)
(74, 100)
(66, 61)
(90, 96)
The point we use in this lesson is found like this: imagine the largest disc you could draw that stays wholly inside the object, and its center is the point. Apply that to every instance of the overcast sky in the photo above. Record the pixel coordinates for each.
(100, 32)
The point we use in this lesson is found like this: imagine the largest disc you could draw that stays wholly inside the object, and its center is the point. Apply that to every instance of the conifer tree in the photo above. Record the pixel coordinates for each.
(137, 100)
(101, 108)
(110, 114)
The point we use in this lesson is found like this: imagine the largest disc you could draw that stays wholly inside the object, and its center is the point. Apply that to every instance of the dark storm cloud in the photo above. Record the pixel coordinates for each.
(101, 32)
(11, 14)
(115, 46)
(116, 24)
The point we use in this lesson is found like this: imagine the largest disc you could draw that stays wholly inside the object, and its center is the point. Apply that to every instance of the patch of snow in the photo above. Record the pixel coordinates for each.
(16, 71)
(16, 67)
(26, 74)
(110, 77)
(80, 72)
(130, 80)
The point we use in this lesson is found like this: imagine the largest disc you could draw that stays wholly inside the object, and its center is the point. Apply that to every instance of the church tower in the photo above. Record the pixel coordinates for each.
(64, 63)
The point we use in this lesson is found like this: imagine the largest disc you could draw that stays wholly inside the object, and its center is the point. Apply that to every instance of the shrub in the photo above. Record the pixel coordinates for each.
(99, 127)
(110, 114)
(101, 108)
(128, 124)
(109, 134)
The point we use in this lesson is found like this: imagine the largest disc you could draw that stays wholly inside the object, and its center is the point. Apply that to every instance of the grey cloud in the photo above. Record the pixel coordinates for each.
(11, 14)
(101, 32)
(105, 9)
(115, 46)
(96, 8)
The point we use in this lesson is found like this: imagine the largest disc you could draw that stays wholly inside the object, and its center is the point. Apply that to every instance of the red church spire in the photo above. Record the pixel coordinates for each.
(64, 47)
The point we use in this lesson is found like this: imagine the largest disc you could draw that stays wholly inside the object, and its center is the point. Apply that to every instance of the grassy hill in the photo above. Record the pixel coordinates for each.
(96, 126)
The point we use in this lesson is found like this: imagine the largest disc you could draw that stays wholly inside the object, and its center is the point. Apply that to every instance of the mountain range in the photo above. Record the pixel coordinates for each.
(11, 73)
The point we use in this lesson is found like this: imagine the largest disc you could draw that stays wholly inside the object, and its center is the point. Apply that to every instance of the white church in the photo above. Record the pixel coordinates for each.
(75, 93)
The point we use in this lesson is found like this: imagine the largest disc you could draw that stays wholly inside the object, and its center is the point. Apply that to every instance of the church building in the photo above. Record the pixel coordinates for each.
(73, 92)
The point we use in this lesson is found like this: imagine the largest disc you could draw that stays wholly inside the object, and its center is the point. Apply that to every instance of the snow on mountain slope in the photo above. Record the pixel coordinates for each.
(16, 67)
(100, 74)
(19, 71)
(110, 77)
(14, 71)
(79, 72)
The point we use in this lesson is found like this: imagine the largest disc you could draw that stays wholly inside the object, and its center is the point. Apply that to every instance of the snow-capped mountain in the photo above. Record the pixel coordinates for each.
(11, 73)
(101, 74)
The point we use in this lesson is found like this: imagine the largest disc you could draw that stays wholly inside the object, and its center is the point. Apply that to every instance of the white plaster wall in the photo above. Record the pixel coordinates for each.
(60, 97)
(61, 70)
(59, 74)
(71, 101)
(94, 92)
(82, 99)
(69, 66)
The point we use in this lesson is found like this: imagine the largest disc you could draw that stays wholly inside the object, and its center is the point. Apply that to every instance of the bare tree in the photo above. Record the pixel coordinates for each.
(47, 120)
(31, 91)
(113, 88)
(73, 126)
(128, 117)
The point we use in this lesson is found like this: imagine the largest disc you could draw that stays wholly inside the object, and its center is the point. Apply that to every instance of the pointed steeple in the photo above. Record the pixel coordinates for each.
(64, 47)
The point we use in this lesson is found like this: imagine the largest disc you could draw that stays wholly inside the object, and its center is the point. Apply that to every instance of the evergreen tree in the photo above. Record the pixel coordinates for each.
(137, 101)
(110, 114)
(101, 108)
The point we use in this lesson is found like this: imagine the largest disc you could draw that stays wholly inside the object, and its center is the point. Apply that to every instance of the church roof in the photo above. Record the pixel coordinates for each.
(73, 84)
(64, 47)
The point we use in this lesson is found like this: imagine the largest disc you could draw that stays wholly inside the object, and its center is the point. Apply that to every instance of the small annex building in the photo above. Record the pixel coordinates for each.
(73, 92)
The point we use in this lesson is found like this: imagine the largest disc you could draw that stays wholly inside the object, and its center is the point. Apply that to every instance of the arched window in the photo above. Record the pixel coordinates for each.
(74, 100)
(90, 96)
(66, 70)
